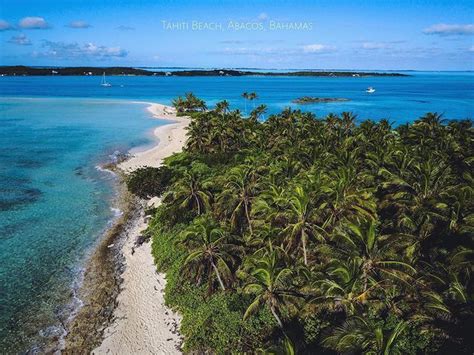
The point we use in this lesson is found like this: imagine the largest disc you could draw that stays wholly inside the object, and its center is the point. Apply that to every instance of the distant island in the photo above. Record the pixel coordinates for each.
(313, 100)
(20, 70)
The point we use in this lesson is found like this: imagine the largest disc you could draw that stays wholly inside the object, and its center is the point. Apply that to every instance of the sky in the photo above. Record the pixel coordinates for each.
(281, 34)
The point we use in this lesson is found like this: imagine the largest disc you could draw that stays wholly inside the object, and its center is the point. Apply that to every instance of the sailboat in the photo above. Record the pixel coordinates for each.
(370, 90)
(104, 83)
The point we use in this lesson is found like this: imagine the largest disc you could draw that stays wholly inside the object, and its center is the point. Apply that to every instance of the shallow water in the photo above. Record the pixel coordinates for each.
(54, 202)
(55, 131)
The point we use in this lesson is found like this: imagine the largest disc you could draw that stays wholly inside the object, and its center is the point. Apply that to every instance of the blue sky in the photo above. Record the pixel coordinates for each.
(419, 35)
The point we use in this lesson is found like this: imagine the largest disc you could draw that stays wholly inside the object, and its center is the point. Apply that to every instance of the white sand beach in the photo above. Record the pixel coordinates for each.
(142, 323)
(171, 139)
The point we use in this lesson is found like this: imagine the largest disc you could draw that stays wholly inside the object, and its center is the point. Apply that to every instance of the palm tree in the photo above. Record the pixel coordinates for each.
(348, 122)
(178, 104)
(252, 96)
(229, 133)
(246, 96)
(269, 204)
(347, 198)
(190, 192)
(190, 103)
(285, 347)
(257, 112)
(361, 335)
(199, 133)
(238, 193)
(222, 107)
(300, 226)
(376, 254)
(270, 284)
(416, 190)
(338, 287)
(208, 251)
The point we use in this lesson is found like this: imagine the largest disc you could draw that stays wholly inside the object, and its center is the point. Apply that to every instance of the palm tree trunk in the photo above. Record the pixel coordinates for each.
(276, 316)
(303, 240)
(217, 274)
(198, 204)
(248, 218)
(365, 278)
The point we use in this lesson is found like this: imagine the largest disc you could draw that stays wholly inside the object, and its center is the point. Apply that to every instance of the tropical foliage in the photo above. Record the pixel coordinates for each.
(189, 103)
(250, 96)
(307, 235)
(148, 182)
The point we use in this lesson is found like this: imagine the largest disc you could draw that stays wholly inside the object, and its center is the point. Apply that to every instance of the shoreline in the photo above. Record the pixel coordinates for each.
(124, 309)
(171, 138)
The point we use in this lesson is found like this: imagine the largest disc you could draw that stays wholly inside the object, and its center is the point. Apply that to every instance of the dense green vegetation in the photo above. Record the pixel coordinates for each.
(149, 182)
(312, 235)
(315, 100)
(189, 103)
(47, 71)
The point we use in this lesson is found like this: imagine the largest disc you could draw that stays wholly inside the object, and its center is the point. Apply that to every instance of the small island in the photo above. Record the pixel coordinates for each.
(305, 100)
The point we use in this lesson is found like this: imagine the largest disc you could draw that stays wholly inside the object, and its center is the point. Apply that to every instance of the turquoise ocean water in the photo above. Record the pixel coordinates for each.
(55, 202)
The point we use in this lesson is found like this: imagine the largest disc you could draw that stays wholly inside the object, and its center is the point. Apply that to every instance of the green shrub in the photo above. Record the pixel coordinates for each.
(211, 326)
(313, 327)
(214, 324)
(416, 340)
(209, 322)
(149, 182)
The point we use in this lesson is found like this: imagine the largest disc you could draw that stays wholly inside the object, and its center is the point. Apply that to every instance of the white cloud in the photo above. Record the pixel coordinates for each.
(78, 24)
(33, 23)
(74, 50)
(102, 51)
(450, 30)
(20, 40)
(262, 17)
(5, 26)
(318, 48)
(309, 49)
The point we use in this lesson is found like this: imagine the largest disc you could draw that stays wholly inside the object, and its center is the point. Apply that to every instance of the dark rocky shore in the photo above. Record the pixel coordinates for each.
(102, 282)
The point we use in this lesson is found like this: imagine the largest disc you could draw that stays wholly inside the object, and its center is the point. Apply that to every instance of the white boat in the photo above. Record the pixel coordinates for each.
(370, 90)
(104, 83)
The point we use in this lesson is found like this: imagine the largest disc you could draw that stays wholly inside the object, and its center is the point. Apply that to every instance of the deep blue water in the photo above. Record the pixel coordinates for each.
(55, 203)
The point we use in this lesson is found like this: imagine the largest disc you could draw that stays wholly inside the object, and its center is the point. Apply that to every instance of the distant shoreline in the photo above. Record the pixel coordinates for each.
(20, 70)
